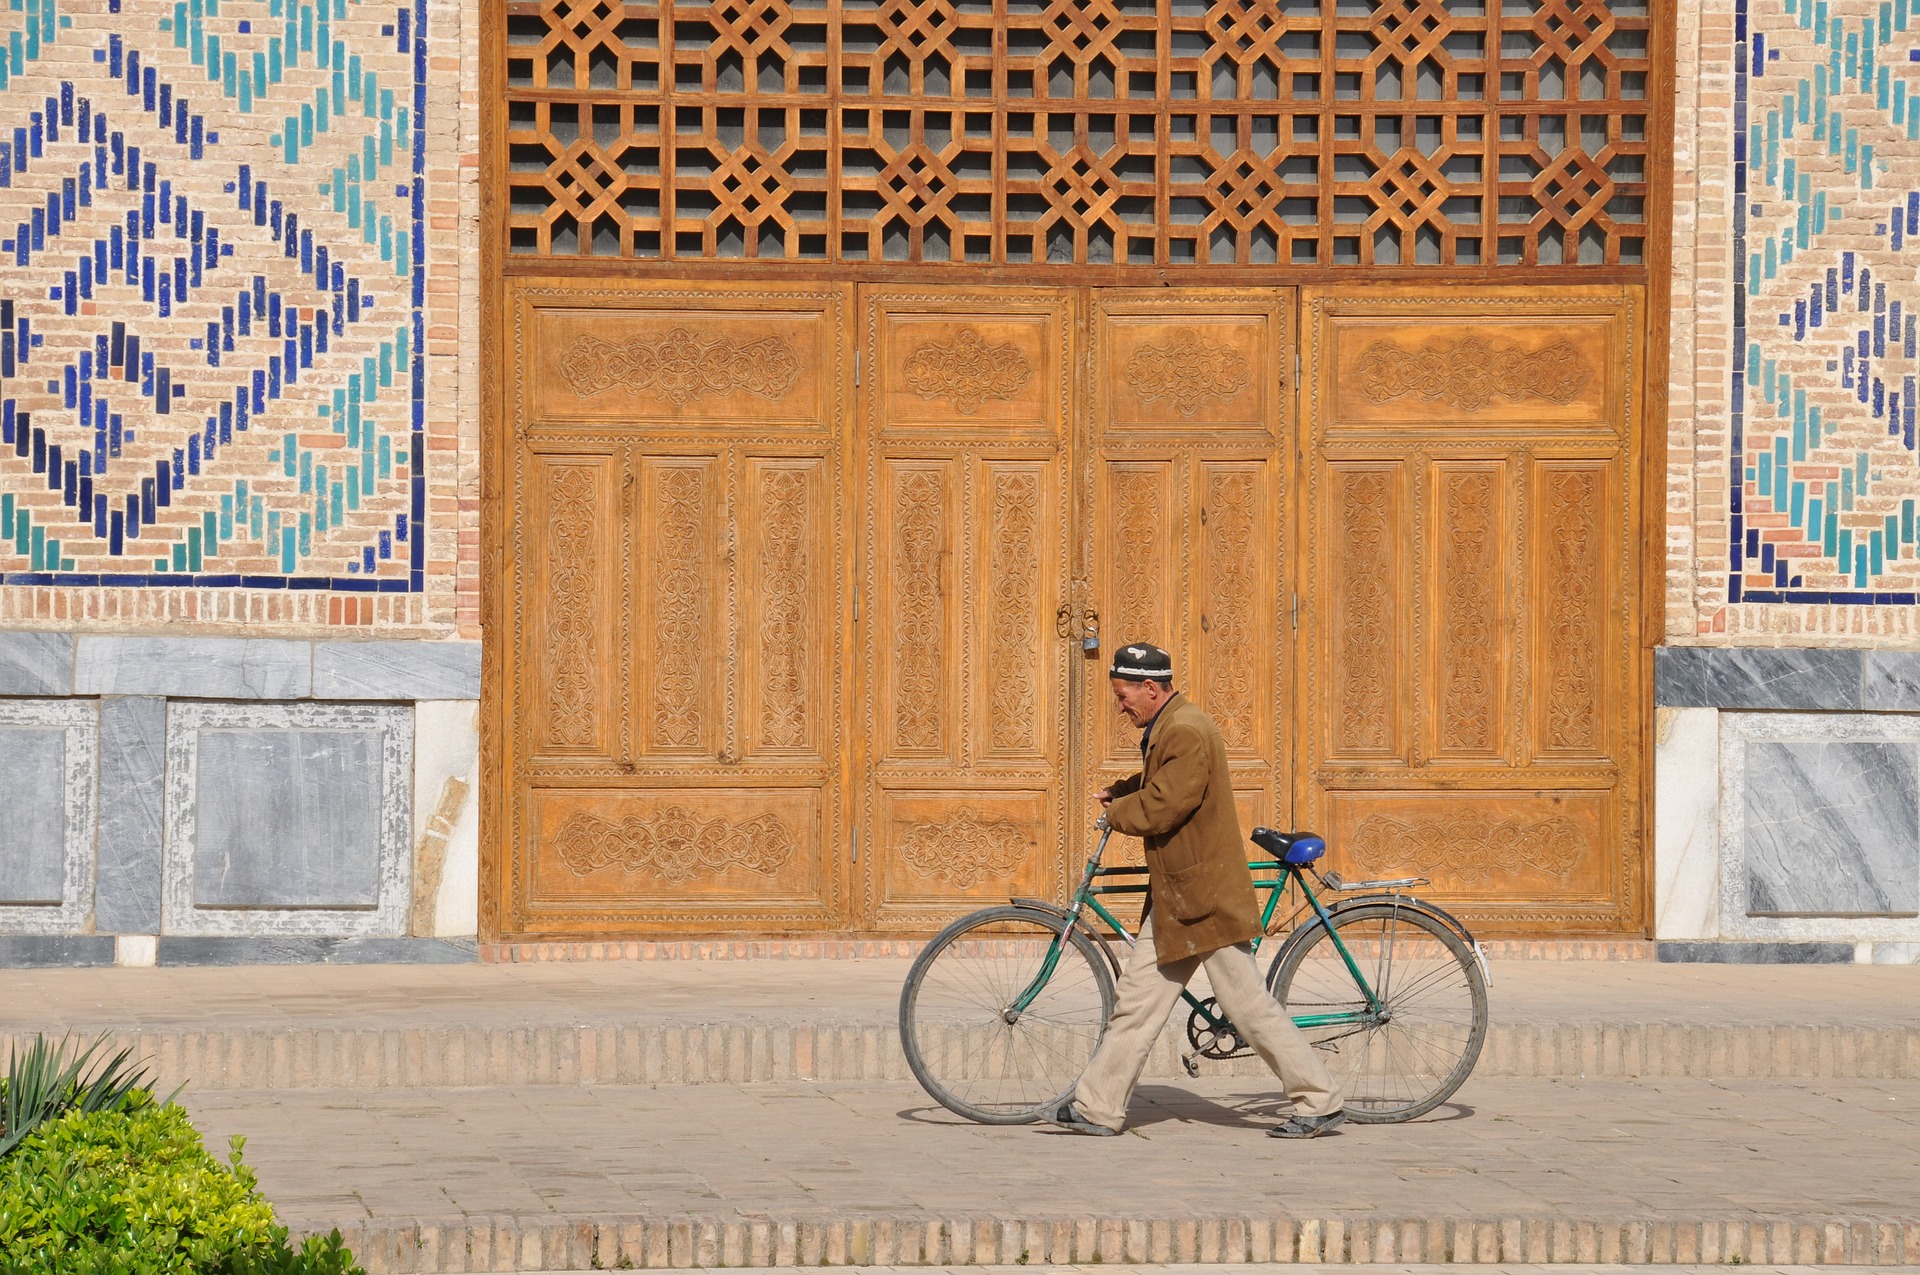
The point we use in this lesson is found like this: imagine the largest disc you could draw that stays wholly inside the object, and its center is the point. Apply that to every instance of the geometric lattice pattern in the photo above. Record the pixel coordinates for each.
(211, 364)
(1827, 234)
(1292, 132)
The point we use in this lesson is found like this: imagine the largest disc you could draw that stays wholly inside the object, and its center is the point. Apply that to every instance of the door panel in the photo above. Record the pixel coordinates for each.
(1187, 534)
(1474, 700)
(680, 592)
(964, 568)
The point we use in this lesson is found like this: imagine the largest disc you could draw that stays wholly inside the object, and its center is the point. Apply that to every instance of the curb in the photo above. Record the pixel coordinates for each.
(745, 1053)
(518, 1244)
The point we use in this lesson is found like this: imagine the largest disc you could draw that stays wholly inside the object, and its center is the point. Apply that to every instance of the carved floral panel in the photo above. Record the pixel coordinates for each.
(1233, 648)
(1571, 605)
(1017, 543)
(686, 651)
(1361, 583)
(920, 553)
(571, 547)
(1469, 583)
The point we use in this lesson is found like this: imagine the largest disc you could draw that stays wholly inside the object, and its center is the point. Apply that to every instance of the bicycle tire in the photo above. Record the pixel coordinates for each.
(953, 1027)
(1435, 995)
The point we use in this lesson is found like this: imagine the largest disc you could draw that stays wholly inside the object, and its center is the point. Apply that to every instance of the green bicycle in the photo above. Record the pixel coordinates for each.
(1002, 1010)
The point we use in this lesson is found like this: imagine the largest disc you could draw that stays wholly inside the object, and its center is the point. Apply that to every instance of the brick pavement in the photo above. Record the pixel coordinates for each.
(543, 1177)
(738, 1021)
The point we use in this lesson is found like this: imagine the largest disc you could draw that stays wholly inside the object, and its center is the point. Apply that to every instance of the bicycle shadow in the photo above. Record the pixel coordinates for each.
(1164, 1104)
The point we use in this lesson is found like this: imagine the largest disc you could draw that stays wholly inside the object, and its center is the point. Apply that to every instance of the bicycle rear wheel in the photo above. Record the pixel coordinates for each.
(1410, 1056)
(971, 1052)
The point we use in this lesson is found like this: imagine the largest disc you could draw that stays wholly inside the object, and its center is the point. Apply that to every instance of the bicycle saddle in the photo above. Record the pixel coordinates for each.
(1290, 847)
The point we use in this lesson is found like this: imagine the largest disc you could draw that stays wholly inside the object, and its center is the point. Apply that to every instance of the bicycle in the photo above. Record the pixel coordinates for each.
(1002, 1009)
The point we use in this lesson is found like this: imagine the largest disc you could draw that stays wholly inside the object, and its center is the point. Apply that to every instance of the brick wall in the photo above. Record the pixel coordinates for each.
(1792, 475)
(238, 325)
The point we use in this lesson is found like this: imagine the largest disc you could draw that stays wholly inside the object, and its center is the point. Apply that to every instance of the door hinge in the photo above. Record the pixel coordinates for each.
(856, 367)
(856, 845)
(1296, 610)
(856, 604)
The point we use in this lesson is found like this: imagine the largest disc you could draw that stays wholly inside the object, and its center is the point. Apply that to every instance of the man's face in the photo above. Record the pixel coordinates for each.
(1139, 701)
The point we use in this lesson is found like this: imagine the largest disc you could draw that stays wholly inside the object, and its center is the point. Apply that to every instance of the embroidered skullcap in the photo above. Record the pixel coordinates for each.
(1142, 662)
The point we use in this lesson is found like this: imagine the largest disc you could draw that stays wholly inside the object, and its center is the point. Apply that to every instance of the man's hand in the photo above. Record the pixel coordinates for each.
(1104, 796)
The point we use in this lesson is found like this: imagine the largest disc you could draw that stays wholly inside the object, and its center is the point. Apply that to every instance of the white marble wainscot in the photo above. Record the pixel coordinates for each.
(46, 848)
(446, 818)
(1686, 823)
(1820, 826)
(288, 819)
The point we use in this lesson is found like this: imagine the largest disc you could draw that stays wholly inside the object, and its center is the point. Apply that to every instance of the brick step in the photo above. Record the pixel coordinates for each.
(761, 1050)
(558, 1244)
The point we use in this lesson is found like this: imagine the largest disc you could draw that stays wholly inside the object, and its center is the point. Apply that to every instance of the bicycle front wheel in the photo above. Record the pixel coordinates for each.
(969, 1045)
(1408, 1056)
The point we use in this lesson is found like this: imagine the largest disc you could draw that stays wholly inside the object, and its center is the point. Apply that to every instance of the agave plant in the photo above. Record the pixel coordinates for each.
(48, 1079)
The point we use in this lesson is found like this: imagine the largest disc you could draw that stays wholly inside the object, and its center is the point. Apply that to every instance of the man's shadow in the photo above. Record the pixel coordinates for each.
(1161, 1104)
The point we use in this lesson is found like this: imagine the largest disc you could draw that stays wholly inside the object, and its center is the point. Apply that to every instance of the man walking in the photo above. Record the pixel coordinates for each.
(1201, 910)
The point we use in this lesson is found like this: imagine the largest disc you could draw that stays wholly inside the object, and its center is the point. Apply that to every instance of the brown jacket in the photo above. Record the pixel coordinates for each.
(1181, 804)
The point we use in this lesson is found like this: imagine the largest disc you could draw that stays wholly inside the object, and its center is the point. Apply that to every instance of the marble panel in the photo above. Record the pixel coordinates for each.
(1755, 953)
(396, 670)
(288, 820)
(133, 769)
(55, 951)
(1683, 676)
(49, 864)
(33, 856)
(1892, 681)
(36, 663)
(1686, 823)
(197, 668)
(446, 834)
(1820, 827)
(312, 950)
(1832, 828)
(1785, 677)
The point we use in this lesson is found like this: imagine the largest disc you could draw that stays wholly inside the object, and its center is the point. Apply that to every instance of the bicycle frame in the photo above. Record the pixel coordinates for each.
(1088, 895)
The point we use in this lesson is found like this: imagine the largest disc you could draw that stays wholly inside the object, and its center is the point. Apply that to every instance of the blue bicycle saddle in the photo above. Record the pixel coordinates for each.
(1296, 848)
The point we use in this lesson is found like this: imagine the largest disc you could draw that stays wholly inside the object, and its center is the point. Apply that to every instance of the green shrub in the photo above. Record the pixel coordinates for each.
(44, 1080)
(132, 1191)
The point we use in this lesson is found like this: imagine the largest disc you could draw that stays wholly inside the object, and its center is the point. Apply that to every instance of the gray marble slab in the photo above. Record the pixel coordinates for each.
(133, 772)
(55, 951)
(1758, 677)
(1892, 681)
(396, 670)
(315, 951)
(33, 853)
(288, 819)
(195, 668)
(1755, 953)
(36, 663)
(1832, 828)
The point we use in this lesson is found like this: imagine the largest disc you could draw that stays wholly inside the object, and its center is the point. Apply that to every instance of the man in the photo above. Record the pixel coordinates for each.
(1201, 910)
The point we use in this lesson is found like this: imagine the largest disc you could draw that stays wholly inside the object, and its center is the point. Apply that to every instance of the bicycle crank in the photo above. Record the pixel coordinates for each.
(1212, 1036)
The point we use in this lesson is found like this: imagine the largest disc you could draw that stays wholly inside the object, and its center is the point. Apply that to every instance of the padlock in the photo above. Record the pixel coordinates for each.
(1090, 635)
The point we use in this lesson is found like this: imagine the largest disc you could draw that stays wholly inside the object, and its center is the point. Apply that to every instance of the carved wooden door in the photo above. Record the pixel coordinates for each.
(672, 706)
(967, 398)
(1474, 693)
(1187, 538)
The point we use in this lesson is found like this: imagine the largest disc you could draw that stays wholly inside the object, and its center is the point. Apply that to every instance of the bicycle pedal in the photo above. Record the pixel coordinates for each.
(1192, 1064)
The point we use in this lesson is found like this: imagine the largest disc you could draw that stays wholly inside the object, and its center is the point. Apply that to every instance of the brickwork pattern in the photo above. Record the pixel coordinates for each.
(230, 347)
(1792, 474)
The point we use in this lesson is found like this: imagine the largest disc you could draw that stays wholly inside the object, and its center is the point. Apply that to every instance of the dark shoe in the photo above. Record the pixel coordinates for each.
(1308, 1126)
(1065, 1116)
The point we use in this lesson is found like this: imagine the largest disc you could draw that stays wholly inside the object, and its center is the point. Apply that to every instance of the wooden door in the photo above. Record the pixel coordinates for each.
(672, 707)
(966, 396)
(1186, 541)
(1474, 701)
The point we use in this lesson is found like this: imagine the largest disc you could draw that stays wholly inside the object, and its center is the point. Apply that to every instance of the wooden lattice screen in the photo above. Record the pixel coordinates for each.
(1467, 133)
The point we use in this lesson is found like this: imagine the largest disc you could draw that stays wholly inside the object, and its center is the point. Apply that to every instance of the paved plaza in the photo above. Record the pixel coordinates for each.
(643, 1114)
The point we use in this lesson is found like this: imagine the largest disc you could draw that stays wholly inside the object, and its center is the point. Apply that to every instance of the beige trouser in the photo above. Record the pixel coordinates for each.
(1144, 998)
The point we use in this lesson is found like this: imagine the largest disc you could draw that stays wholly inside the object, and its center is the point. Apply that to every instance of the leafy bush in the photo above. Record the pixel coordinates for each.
(132, 1191)
(42, 1081)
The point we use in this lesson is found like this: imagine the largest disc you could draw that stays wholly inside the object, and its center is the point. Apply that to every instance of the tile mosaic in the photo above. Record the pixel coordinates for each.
(211, 353)
(1826, 252)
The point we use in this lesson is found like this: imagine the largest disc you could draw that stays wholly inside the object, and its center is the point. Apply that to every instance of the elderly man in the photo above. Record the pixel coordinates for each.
(1200, 911)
